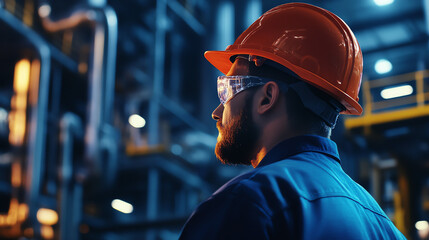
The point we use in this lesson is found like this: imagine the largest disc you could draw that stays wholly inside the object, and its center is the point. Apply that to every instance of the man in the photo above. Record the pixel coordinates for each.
(288, 77)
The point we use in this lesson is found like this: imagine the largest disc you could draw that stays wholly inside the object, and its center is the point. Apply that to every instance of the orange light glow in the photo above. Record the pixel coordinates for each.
(17, 116)
(28, 13)
(28, 232)
(17, 121)
(22, 212)
(47, 216)
(12, 216)
(19, 102)
(82, 67)
(16, 174)
(47, 232)
(33, 95)
(22, 76)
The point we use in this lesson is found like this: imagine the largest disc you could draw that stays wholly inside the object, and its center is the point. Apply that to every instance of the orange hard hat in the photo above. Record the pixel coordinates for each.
(311, 42)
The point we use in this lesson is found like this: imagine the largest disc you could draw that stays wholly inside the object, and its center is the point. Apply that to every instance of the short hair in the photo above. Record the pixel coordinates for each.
(301, 118)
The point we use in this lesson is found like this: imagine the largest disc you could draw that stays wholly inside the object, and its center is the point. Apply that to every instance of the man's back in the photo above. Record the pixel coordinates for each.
(327, 203)
(299, 191)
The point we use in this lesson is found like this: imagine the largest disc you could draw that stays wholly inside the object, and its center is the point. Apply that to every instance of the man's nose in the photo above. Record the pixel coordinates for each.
(217, 112)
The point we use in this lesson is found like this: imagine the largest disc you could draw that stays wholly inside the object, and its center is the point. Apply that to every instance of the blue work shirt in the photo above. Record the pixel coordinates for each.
(298, 191)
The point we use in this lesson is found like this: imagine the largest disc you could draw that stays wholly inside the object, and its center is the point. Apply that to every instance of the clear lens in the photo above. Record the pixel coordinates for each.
(229, 86)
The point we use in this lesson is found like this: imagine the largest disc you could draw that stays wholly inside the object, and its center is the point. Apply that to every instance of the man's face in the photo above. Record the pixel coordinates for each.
(238, 133)
(237, 140)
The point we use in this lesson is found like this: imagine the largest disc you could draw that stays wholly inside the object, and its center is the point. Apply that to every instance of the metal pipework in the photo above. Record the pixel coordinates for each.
(109, 145)
(71, 128)
(101, 69)
(36, 140)
(158, 78)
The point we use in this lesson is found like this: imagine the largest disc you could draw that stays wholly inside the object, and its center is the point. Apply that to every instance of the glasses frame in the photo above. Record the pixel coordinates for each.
(229, 86)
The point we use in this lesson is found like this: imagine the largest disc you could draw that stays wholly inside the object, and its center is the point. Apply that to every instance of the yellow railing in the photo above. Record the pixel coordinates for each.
(378, 110)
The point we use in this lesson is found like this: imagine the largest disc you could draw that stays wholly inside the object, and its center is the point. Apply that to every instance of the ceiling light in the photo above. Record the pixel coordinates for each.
(47, 216)
(383, 2)
(383, 66)
(122, 206)
(422, 225)
(137, 121)
(398, 91)
(44, 10)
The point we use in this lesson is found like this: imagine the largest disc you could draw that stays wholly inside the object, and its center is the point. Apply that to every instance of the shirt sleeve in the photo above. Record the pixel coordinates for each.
(228, 215)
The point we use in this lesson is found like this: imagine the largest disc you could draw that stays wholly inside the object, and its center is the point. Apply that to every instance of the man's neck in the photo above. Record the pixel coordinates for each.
(271, 135)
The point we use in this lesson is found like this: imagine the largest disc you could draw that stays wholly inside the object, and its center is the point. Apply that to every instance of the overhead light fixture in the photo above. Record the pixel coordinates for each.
(383, 66)
(383, 2)
(422, 225)
(47, 216)
(122, 206)
(44, 10)
(395, 92)
(136, 121)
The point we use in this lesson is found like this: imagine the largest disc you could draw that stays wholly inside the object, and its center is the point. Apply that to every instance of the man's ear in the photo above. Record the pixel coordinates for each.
(268, 97)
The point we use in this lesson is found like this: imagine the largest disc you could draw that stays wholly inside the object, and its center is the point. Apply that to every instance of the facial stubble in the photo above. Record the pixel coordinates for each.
(238, 140)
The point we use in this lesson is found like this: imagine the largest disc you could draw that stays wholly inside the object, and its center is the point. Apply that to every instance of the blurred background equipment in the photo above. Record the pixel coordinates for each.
(105, 113)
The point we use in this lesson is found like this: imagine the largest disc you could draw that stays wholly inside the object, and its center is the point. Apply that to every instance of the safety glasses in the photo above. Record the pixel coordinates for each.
(229, 86)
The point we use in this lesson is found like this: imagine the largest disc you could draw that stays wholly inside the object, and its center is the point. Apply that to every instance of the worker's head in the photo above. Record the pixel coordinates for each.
(257, 98)
(297, 67)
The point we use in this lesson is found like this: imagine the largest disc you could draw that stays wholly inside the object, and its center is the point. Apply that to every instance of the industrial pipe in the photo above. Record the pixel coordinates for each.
(36, 139)
(101, 70)
(70, 128)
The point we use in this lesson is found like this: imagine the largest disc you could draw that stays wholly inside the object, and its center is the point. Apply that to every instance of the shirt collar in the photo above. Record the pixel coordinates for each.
(299, 144)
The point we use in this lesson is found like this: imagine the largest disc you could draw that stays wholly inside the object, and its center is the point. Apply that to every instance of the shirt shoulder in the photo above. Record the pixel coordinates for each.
(267, 187)
(233, 212)
(307, 175)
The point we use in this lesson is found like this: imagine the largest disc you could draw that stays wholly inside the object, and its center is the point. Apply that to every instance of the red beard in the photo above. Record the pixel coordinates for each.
(237, 142)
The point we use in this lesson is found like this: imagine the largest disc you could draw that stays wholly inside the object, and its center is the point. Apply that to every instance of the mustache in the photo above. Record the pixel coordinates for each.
(219, 125)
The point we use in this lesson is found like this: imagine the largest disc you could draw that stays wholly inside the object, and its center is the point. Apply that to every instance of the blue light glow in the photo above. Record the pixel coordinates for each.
(383, 2)
(383, 66)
